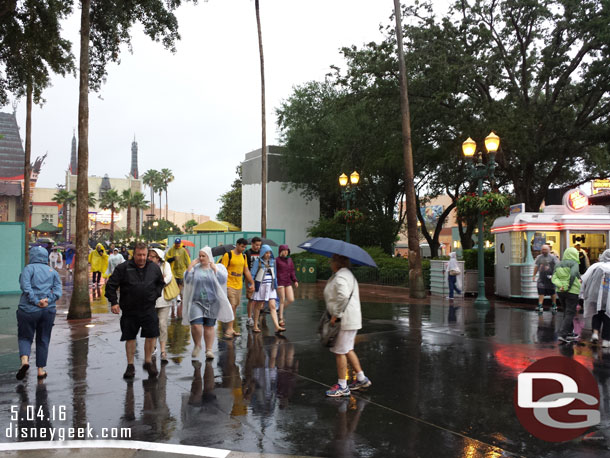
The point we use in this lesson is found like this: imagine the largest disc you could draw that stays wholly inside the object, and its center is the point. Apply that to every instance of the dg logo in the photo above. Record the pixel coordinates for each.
(557, 399)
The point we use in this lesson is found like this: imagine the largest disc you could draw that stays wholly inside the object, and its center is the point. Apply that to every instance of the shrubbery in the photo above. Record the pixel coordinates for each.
(391, 271)
(471, 262)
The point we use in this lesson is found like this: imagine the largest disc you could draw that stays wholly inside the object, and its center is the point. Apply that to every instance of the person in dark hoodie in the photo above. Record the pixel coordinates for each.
(566, 279)
(286, 277)
(141, 283)
(41, 288)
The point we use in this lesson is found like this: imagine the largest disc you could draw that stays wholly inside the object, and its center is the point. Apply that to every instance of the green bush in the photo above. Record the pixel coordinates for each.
(390, 272)
(471, 261)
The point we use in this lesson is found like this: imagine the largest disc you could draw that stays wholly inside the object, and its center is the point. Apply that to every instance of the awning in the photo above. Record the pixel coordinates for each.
(10, 189)
(215, 226)
(45, 226)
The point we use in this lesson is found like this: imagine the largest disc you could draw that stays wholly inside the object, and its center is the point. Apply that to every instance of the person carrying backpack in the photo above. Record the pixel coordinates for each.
(237, 266)
(566, 279)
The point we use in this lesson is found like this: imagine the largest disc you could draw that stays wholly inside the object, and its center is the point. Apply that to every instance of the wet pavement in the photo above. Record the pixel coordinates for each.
(443, 380)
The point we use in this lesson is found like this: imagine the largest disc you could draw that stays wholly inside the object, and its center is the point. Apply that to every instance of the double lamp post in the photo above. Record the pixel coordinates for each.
(348, 193)
(479, 171)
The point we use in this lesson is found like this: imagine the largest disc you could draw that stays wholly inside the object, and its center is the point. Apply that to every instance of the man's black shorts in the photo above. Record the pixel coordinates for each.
(545, 291)
(131, 324)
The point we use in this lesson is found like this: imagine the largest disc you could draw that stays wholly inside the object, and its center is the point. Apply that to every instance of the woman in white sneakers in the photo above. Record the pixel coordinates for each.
(342, 299)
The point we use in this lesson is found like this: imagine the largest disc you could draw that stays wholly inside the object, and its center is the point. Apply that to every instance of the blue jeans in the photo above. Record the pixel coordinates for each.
(452, 279)
(209, 322)
(39, 323)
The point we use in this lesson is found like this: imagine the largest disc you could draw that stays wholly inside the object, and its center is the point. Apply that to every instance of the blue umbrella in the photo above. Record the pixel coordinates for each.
(327, 247)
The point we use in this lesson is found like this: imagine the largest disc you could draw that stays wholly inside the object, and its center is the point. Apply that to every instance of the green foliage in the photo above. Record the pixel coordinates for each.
(163, 229)
(32, 46)
(189, 225)
(230, 202)
(349, 216)
(490, 204)
(471, 260)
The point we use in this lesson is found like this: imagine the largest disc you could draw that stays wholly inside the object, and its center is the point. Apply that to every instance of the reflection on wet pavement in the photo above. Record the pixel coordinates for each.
(443, 380)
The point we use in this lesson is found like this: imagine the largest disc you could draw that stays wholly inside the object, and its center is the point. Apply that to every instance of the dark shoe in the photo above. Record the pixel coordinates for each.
(151, 369)
(130, 372)
(21, 372)
(43, 376)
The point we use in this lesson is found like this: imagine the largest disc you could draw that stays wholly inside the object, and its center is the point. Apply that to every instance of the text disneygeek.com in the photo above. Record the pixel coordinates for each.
(33, 423)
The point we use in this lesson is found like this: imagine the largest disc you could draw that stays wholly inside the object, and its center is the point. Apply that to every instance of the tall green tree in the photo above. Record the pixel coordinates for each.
(32, 47)
(127, 198)
(230, 202)
(167, 177)
(139, 204)
(105, 27)
(66, 200)
(111, 200)
(150, 179)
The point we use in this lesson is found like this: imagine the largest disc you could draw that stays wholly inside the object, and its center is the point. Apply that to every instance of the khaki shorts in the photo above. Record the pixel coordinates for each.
(234, 296)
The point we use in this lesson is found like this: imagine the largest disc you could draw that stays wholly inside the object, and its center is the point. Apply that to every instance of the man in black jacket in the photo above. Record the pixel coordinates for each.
(140, 282)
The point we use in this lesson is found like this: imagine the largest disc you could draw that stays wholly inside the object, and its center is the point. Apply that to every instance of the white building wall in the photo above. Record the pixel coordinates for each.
(285, 210)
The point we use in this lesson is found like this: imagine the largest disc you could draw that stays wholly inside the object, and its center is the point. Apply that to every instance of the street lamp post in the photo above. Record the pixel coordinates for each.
(348, 193)
(479, 172)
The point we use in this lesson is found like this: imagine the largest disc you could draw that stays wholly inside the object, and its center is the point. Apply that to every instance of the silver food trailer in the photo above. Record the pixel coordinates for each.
(519, 238)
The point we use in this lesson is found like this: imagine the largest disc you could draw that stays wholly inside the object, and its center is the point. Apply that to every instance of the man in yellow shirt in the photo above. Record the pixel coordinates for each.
(237, 265)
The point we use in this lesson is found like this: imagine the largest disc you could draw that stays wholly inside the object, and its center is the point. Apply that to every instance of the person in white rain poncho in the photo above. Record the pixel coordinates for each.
(595, 293)
(205, 300)
(162, 306)
(114, 260)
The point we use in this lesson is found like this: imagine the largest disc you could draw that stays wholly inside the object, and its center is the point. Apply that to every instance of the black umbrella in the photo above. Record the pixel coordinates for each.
(265, 242)
(221, 250)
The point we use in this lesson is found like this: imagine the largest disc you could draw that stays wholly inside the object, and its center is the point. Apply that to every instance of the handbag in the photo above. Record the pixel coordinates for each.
(454, 272)
(171, 290)
(329, 333)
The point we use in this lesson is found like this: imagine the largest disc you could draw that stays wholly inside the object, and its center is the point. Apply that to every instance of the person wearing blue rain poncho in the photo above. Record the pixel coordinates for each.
(264, 274)
(205, 300)
(41, 288)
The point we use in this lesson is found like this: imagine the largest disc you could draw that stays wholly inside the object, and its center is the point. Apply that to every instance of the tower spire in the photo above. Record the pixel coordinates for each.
(73, 163)
(134, 158)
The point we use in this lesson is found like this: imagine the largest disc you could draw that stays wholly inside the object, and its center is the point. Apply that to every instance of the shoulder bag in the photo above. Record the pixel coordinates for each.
(329, 333)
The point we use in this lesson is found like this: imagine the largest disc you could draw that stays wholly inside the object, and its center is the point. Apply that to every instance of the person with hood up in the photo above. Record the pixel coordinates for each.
(453, 271)
(98, 259)
(124, 252)
(265, 285)
(566, 279)
(41, 288)
(162, 305)
(286, 277)
(114, 260)
(595, 293)
(69, 258)
(205, 300)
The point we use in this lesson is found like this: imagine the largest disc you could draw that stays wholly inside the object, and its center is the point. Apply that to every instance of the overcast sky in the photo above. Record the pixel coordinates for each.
(197, 111)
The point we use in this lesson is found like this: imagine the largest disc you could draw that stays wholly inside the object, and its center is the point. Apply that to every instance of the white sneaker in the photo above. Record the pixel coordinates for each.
(606, 343)
(196, 351)
(209, 354)
(594, 337)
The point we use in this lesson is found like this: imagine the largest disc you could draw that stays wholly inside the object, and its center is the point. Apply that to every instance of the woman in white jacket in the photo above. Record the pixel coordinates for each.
(342, 299)
(163, 307)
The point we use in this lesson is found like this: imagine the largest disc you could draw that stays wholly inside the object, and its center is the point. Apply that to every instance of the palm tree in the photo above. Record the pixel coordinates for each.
(80, 305)
(167, 176)
(111, 200)
(149, 179)
(65, 199)
(159, 185)
(127, 202)
(264, 129)
(139, 203)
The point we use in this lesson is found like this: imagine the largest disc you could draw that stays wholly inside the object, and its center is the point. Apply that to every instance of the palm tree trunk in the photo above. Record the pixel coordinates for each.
(137, 231)
(160, 204)
(112, 224)
(166, 207)
(80, 306)
(128, 220)
(263, 127)
(416, 279)
(27, 170)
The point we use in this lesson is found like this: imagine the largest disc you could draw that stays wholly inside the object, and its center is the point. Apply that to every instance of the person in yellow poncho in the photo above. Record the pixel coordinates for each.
(180, 260)
(98, 259)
